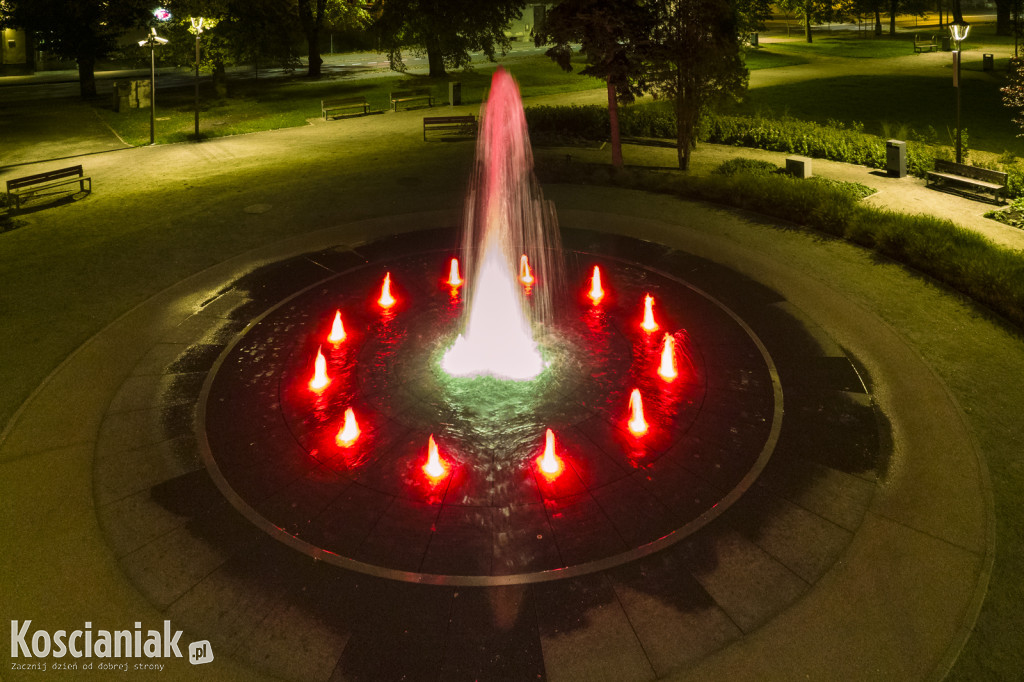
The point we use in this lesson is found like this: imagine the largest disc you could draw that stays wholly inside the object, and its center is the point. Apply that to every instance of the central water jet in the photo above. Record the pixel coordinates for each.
(506, 216)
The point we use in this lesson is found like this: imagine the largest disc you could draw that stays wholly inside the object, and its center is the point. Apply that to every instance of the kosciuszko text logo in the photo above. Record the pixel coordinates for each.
(89, 643)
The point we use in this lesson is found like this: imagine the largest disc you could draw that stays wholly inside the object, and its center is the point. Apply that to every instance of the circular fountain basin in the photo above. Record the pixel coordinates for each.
(493, 516)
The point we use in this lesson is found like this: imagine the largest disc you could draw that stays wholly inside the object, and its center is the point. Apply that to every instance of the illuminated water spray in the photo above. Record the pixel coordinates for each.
(637, 423)
(454, 280)
(349, 432)
(319, 381)
(337, 334)
(667, 369)
(596, 292)
(549, 462)
(525, 275)
(506, 216)
(434, 467)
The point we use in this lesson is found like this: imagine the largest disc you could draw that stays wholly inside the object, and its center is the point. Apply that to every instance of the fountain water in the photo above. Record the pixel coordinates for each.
(506, 216)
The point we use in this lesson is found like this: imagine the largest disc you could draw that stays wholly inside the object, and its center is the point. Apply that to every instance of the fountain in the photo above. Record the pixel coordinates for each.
(484, 353)
(506, 215)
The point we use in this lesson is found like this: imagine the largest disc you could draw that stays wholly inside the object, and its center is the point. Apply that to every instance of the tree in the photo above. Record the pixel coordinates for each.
(447, 30)
(610, 33)
(72, 29)
(810, 12)
(235, 32)
(694, 59)
(314, 15)
(750, 16)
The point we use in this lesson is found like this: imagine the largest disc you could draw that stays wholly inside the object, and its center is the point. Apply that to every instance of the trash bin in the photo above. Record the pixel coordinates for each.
(454, 93)
(896, 158)
(753, 40)
(946, 44)
(987, 62)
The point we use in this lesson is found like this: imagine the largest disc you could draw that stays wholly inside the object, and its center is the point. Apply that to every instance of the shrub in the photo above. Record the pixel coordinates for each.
(963, 259)
(744, 165)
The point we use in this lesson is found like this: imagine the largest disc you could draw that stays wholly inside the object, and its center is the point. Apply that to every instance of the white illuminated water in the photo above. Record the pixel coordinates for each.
(506, 218)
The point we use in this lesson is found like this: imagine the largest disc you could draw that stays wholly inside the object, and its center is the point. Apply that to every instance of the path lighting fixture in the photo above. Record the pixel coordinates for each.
(197, 28)
(959, 33)
(152, 40)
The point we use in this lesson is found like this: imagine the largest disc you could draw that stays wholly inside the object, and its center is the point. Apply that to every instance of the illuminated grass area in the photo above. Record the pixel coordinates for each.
(268, 104)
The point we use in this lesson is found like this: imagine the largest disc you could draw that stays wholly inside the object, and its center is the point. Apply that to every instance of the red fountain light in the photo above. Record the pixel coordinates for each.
(525, 276)
(349, 432)
(549, 462)
(434, 467)
(319, 381)
(386, 300)
(637, 423)
(649, 325)
(596, 293)
(667, 369)
(454, 280)
(337, 334)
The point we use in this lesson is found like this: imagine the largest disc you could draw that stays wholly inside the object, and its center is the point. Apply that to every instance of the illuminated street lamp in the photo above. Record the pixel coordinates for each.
(959, 32)
(152, 40)
(197, 28)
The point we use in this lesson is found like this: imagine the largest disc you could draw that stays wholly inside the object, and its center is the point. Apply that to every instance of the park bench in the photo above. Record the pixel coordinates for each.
(398, 96)
(342, 104)
(463, 125)
(979, 179)
(30, 184)
(925, 45)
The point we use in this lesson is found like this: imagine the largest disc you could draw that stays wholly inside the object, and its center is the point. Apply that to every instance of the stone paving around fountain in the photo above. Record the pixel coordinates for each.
(820, 572)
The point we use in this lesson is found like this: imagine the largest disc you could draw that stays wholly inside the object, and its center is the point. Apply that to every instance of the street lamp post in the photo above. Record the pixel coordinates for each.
(152, 40)
(959, 33)
(197, 28)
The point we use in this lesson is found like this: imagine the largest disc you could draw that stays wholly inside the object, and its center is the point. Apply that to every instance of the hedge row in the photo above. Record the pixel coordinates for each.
(788, 135)
(960, 258)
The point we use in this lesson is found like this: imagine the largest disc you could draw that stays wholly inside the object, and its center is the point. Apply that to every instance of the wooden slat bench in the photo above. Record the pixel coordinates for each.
(342, 104)
(979, 179)
(30, 184)
(463, 125)
(399, 96)
(925, 45)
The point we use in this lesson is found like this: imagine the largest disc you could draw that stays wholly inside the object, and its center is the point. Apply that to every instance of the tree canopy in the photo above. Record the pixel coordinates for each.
(612, 35)
(694, 60)
(447, 30)
(72, 29)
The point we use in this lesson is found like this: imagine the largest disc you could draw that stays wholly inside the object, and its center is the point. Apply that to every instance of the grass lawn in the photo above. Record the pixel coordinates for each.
(767, 58)
(905, 107)
(849, 45)
(268, 104)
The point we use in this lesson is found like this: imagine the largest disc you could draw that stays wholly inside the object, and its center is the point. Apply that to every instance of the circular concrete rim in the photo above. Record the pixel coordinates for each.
(110, 353)
(576, 570)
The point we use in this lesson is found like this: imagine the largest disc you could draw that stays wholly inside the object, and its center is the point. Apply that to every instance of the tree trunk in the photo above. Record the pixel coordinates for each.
(807, 24)
(878, 22)
(684, 126)
(894, 8)
(220, 79)
(958, 16)
(315, 60)
(435, 58)
(86, 73)
(613, 120)
(1004, 27)
(311, 28)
